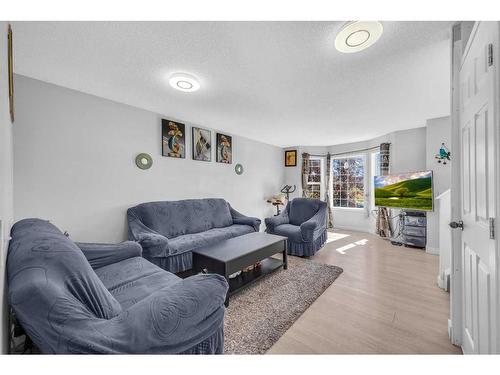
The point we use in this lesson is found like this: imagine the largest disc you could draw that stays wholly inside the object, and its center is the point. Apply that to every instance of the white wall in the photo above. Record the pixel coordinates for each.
(74, 156)
(408, 153)
(408, 150)
(438, 131)
(6, 181)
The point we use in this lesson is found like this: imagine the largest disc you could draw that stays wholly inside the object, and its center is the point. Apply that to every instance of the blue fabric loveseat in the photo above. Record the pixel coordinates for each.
(94, 298)
(303, 221)
(169, 231)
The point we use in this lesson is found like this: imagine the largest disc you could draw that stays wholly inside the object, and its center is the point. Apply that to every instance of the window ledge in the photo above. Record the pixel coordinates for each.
(349, 208)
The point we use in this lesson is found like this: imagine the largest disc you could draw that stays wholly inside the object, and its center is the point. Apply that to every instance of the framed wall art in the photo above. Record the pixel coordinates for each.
(10, 72)
(224, 147)
(290, 158)
(173, 143)
(201, 144)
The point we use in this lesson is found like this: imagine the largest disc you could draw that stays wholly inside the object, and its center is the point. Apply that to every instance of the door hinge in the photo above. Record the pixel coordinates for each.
(492, 228)
(490, 54)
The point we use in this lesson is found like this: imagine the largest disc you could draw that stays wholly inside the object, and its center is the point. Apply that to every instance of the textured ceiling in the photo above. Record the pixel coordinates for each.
(278, 82)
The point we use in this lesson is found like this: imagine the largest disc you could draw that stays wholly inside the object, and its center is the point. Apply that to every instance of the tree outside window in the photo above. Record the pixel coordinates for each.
(314, 179)
(348, 175)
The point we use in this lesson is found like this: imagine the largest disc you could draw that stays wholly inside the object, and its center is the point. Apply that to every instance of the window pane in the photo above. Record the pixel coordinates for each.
(314, 179)
(377, 164)
(315, 191)
(348, 182)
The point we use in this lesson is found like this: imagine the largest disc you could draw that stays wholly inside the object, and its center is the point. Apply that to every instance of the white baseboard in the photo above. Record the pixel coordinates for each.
(443, 280)
(432, 250)
(440, 281)
(450, 332)
(356, 229)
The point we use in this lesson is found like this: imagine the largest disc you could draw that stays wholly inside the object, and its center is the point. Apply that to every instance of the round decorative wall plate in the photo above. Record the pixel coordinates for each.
(143, 161)
(238, 168)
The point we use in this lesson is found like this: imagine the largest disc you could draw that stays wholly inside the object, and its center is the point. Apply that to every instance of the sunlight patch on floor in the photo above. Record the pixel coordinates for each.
(361, 242)
(335, 236)
(343, 249)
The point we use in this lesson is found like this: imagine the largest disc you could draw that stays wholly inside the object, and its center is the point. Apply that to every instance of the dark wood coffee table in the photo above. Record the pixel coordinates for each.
(235, 254)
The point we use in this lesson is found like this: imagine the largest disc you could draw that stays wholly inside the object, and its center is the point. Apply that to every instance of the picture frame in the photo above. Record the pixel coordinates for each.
(224, 148)
(173, 136)
(290, 158)
(201, 144)
(10, 68)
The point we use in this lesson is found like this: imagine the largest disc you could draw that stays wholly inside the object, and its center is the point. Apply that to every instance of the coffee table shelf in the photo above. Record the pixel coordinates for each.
(267, 266)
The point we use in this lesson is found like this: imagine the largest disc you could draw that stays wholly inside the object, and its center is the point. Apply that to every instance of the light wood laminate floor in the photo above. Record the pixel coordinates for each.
(385, 302)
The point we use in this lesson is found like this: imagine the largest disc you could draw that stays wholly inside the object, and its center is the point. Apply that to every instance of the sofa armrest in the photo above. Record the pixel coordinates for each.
(154, 244)
(311, 228)
(274, 221)
(100, 255)
(239, 218)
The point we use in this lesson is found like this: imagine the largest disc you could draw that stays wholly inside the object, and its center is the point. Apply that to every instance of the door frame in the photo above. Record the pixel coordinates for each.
(455, 321)
(496, 61)
(457, 56)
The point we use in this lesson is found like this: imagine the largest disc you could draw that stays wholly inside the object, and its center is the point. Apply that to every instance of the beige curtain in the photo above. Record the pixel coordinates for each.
(383, 219)
(305, 173)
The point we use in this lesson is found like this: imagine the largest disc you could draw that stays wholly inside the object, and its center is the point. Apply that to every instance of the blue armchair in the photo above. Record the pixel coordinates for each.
(303, 221)
(94, 298)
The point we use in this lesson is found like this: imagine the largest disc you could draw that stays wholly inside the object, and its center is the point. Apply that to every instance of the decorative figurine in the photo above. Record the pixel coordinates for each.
(444, 154)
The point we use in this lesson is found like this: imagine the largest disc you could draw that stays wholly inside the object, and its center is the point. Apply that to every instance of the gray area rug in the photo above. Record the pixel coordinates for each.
(260, 314)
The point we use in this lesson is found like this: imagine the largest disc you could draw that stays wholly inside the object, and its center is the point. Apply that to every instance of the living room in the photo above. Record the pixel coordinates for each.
(249, 187)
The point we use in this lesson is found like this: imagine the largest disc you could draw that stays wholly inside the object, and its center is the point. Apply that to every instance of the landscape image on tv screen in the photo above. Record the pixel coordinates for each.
(408, 190)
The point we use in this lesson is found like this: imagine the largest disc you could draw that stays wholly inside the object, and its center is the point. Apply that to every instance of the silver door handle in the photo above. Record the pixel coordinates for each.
(457, 224)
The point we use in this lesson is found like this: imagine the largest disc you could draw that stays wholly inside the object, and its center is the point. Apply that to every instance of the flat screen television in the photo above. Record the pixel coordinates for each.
(412, 191)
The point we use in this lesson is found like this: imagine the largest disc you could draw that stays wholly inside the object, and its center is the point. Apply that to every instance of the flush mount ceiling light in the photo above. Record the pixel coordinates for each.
(355, 36)
(184, 82)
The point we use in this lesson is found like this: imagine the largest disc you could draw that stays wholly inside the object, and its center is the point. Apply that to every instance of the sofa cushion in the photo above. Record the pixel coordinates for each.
(40, 255)
(289, 230)
(189, 242)
(236, 230)
(177, 218)
(302, 209)
(134, 279)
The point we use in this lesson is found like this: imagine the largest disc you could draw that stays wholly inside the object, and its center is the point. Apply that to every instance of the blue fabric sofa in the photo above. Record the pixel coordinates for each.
(94, 298)
(303, 221)
(169, 231)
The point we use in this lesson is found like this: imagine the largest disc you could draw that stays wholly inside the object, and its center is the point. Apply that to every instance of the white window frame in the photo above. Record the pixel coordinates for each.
(365, 165)
(373, 173)
(321, 176)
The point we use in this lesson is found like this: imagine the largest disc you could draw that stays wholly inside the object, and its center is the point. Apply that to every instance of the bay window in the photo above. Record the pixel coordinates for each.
(314, 178)
(348, 182)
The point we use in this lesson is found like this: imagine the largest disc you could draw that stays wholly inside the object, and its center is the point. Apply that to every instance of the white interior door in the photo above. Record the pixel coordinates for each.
(479, 147)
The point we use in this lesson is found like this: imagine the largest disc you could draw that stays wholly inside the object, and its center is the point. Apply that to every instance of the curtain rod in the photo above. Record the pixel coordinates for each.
(346, 152)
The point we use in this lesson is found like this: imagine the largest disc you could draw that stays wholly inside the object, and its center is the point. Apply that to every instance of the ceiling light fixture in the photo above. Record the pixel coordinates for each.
(184, 82)
(356, 36)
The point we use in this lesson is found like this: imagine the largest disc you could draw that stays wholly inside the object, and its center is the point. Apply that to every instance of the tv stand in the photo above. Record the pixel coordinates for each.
(414, 229)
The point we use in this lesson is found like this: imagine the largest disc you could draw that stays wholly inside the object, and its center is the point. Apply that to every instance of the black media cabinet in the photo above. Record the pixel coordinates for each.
(414, 229)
